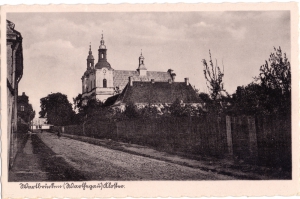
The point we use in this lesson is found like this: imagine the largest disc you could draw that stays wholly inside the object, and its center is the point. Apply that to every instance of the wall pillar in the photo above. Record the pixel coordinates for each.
(252, 138)
(229, 136)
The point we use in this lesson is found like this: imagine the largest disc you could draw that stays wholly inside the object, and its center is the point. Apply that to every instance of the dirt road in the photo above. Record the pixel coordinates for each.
(99, 163)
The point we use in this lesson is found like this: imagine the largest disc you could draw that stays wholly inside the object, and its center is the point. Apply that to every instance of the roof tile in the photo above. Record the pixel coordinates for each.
(121, 77)
(158, 92)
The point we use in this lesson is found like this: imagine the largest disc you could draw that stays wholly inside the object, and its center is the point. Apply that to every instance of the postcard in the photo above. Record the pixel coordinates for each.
(156, 100)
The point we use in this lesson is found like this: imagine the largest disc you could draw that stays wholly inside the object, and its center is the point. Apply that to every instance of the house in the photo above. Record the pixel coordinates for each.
(25, 111)
(151, 93)
(40, 123)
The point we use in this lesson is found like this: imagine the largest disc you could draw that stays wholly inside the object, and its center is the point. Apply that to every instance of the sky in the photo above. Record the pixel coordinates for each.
(56, 45)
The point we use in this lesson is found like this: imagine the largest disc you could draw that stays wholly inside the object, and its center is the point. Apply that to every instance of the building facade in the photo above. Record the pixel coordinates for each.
(100, 81)
(25, 111)
(14, 75)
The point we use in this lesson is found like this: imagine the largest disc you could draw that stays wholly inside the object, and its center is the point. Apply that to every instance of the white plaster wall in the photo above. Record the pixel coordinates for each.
(100, 76)
(102, 98)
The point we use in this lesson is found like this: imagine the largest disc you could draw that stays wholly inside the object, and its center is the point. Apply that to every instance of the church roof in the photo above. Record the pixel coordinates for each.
(158, 92)
(90, 56)
(121, 77)
(88, 72)
(102, 64)
(142, 67)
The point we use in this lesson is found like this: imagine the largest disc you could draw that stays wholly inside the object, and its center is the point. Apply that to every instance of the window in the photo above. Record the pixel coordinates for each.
(104, 83)
(102, 55)
(22, 108)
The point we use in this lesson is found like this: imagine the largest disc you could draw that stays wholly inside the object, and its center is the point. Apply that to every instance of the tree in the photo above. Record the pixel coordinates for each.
(205, 97)
(117, 90)
(178, 109)
(271, 93)
(248, 100)
(32, 114)
(277, 73)
(275, 79)
(86, 105)
(78, 103)
(57, 108)
(131, 110)
(214, 78)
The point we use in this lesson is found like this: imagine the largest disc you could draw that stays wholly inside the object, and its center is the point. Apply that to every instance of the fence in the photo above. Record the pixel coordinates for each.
(258, 140)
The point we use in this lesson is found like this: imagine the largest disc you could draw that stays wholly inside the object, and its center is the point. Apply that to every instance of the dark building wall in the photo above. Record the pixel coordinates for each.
(14, 75)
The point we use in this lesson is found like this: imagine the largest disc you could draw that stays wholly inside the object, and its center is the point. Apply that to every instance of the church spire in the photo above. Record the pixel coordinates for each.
(102, 46)
(142, 69)
(90, 51)
(90, 58)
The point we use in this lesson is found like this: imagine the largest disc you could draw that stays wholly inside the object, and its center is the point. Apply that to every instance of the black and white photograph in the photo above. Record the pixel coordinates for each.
(149, 96)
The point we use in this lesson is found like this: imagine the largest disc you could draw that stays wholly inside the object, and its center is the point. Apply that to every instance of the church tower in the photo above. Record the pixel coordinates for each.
(104, 74)
(142, 69)
(90, 59)
(102, 51)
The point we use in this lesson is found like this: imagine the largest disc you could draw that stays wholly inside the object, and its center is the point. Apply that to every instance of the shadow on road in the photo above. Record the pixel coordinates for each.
(42, 160)
(58, 169)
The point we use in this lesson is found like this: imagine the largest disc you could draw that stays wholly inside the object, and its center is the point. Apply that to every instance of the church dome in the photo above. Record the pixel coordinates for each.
(102, 46)
(102, 64)
(90, 56)
(88, 72)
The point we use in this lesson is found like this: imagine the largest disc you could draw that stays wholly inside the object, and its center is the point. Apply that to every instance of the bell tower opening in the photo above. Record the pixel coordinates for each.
(104, 83)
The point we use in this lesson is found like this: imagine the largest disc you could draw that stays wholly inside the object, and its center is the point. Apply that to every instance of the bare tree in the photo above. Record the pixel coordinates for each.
(214, 78)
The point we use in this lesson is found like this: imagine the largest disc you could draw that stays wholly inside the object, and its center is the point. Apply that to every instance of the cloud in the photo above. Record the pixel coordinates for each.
(238, 34)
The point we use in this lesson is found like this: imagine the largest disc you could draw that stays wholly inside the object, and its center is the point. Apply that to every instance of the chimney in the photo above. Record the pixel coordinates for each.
(152, 81)
(23, 93)
(170, 81)
(186, 80)
(130, 81)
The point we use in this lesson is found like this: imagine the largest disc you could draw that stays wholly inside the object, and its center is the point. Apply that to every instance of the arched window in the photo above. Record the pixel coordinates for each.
(104, 83)
(102, 55)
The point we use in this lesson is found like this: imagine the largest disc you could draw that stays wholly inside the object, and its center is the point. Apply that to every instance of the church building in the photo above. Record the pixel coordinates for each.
(100, 81)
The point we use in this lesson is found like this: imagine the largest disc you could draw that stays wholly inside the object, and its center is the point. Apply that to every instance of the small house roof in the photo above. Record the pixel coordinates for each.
(158, 92)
